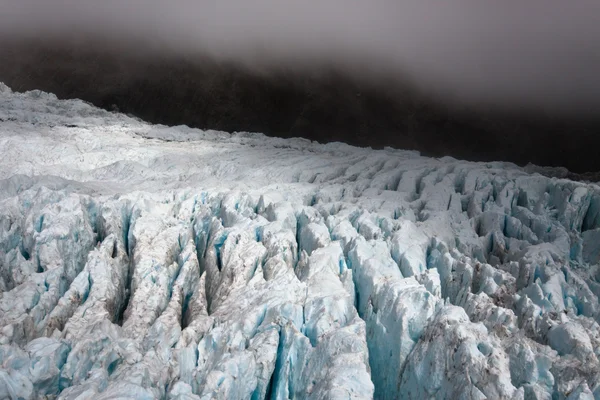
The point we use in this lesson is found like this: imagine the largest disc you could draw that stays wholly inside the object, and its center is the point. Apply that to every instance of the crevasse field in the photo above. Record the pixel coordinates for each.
(147, 262)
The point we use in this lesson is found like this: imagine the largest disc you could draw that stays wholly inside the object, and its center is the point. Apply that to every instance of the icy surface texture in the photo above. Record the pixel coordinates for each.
(145, 262)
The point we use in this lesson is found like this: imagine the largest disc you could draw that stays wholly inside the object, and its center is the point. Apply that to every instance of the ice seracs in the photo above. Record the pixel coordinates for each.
(151, 262)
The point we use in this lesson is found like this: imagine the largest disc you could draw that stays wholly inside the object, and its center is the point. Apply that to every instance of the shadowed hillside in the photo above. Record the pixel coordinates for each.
(323, 104)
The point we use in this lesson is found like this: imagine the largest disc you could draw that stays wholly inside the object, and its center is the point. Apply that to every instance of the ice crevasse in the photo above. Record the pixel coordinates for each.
(145, 262)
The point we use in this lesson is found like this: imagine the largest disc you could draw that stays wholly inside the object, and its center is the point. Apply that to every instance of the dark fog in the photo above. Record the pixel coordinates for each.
(527, 53)
(471, 78)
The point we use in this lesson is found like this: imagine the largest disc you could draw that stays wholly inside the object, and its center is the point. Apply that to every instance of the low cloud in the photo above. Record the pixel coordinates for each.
(531, 54)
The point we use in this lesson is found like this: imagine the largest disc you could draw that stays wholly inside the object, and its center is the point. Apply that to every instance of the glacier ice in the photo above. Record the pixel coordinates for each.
(141, 261)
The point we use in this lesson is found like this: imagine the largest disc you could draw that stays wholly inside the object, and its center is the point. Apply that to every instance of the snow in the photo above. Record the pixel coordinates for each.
(146, 261)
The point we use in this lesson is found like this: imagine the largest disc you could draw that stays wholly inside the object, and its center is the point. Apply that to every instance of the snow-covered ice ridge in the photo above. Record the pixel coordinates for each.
(148, 262)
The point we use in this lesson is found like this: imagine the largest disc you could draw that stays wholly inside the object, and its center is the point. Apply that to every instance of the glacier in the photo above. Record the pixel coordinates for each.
(152, 262)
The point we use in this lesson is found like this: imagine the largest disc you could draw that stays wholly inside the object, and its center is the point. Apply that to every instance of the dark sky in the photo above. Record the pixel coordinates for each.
(528, 53)
(475, 79)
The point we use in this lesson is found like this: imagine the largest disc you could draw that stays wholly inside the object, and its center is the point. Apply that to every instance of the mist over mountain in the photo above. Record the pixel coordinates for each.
(471, 80)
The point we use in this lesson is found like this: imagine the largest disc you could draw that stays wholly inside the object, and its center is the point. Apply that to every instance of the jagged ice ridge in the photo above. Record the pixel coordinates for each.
(141, 261)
